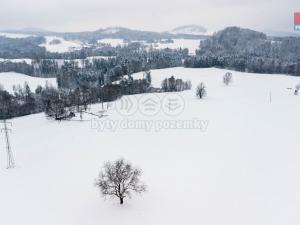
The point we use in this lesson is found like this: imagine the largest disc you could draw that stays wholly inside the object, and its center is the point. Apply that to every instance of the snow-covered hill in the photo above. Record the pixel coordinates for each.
(111, 30)
(189, 29)
(8, 80)
(60, 45)
(243, 169)
(14, 35)
(191, 45)
(114, 42)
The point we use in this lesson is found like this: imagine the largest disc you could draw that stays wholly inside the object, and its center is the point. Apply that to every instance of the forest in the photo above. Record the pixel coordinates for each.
(248, 51)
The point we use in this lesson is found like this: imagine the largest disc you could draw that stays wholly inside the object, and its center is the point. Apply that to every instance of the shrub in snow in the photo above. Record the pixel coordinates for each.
(201, 90)
(120, 179)
(297, 89)
(227, 78)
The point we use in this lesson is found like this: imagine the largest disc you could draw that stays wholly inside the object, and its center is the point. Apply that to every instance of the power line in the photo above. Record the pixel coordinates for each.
(10, 157)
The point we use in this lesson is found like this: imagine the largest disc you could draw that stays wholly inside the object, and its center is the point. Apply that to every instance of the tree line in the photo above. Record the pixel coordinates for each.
(175, 85)
(64, 103)
(127, 60)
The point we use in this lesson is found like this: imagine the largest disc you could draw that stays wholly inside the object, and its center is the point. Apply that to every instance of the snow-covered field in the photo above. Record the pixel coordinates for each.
(191, 45)
(26, 60)
(91, 58)
(114, 42)
(63, 46)
(244, 169)
(80, 62)
(9, 79)
(13, 35)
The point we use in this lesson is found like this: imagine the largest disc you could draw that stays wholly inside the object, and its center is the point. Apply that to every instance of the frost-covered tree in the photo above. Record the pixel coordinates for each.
(227, 78)
(175, 85)
(201, 90)
(120, 179)
(54, 103)
(6, 105)
(147, 76)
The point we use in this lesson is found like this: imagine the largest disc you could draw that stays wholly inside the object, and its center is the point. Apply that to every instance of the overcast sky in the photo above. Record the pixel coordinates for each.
(156, 15)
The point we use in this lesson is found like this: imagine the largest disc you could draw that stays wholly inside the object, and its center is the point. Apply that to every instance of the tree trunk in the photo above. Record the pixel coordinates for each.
(121, 201)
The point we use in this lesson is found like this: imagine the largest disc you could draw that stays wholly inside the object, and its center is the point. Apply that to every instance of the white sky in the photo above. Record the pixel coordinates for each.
(156, 15)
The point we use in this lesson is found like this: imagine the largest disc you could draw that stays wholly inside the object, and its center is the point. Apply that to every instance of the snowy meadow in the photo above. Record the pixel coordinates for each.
(240, 167)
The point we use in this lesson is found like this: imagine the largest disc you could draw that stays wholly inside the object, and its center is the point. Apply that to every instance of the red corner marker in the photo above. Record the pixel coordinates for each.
(297, 18)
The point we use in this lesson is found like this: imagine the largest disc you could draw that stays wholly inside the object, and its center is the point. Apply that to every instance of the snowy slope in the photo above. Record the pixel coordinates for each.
(244, 169)
(63, 46)
(190, 44)
(114, 42)
(189, 29)
(13, 35)
(91, 58)
(111, 30)
(7, 80)
(26, 60)
(80, 62)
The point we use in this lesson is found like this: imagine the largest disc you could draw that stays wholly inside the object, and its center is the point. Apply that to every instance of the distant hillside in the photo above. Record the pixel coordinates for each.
(233, 40)
(189, 29)
(112, 32)
(250, 51)
(128, 34)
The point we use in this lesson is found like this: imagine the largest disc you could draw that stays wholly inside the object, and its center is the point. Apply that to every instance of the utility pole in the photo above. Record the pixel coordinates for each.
(10, 157)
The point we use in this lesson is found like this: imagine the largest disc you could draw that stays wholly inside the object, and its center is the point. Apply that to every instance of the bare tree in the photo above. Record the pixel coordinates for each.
(201, 90)
(227, 78)
(120, 179)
